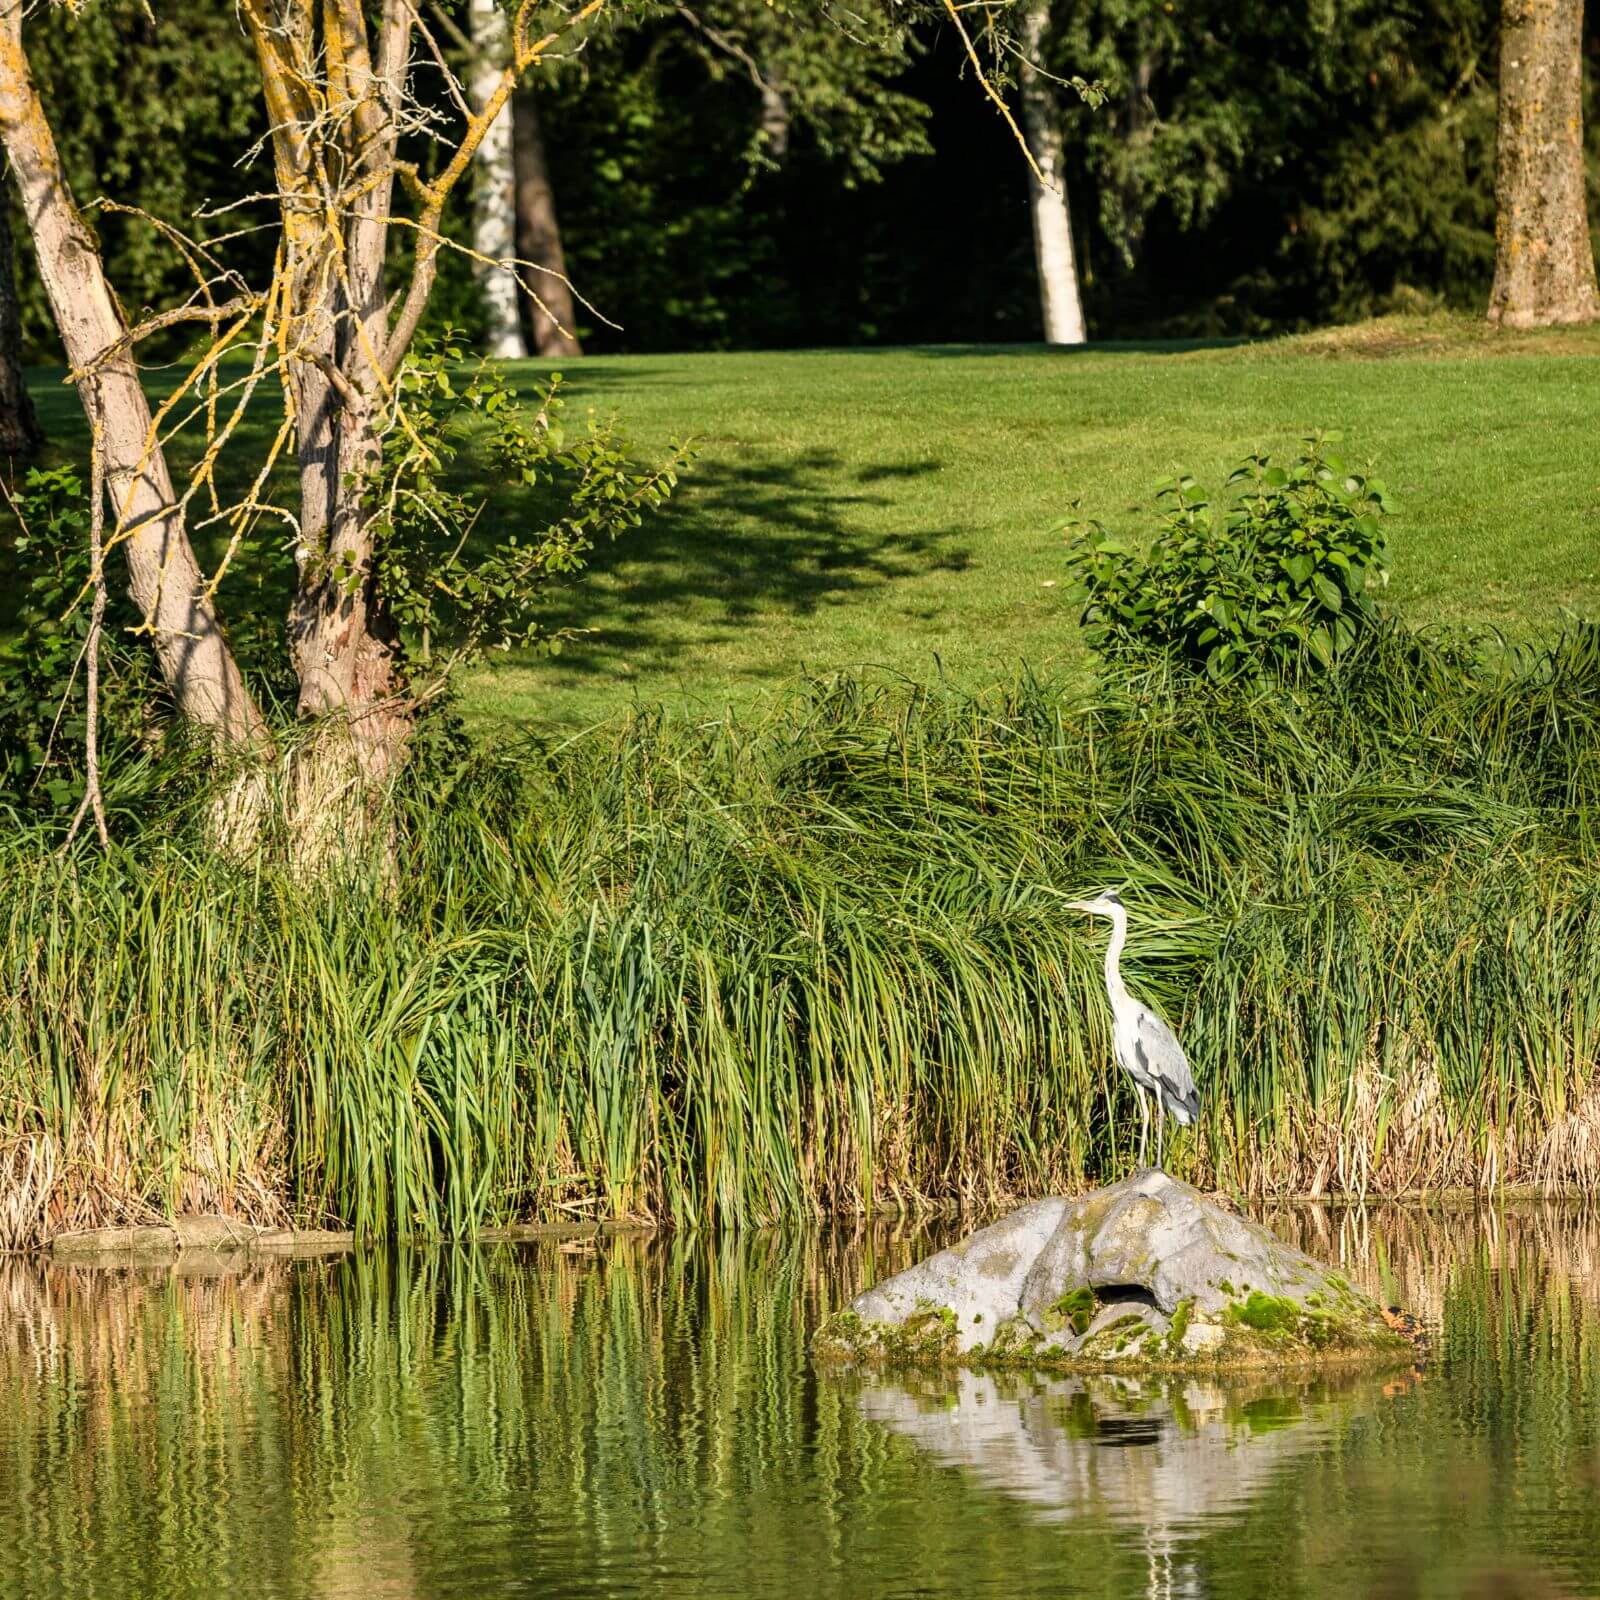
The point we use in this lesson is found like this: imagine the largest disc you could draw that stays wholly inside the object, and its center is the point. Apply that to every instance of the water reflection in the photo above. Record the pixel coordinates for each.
(638, 1417)
(1162, 1457)
(1421, 1257)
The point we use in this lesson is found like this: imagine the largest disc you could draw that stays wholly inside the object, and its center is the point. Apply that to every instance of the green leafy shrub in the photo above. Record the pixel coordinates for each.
(1280, 577)
(454, 589)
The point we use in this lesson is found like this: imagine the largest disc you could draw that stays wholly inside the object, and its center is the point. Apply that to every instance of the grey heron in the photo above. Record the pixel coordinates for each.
(1147, 1049)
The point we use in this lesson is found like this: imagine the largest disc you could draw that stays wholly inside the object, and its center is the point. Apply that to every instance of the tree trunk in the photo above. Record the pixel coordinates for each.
(1134, 130)
(341, 639)
(342, 644)
(1544, 268)
(164, 577)
(494, 204)
(19, 428)
(1060, 304)
(553, 317)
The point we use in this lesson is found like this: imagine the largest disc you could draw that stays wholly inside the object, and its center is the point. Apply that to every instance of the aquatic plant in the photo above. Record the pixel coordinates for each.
(729, 972)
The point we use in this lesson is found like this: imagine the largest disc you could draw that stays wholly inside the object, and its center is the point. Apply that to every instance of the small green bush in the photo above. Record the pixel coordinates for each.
(1278, 579)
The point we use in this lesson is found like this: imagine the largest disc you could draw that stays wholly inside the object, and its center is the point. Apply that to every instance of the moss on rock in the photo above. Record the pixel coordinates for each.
(1075, 1310)
(1104, 1290)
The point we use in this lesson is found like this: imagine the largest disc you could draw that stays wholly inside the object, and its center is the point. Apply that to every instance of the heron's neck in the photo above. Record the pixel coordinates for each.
(1115, 987)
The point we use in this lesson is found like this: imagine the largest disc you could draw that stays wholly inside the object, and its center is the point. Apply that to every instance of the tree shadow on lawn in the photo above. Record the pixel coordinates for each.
(769, 534)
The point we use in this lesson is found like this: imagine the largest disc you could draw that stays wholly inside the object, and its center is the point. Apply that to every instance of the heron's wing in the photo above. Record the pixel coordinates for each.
(1160, 1054)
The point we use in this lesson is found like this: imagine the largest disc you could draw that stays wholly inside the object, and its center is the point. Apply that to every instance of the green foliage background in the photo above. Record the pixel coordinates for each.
(1258, 166)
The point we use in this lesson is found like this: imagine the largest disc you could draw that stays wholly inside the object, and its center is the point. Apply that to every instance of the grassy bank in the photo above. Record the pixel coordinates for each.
(886, 508)
(881, 508)
(730, 972)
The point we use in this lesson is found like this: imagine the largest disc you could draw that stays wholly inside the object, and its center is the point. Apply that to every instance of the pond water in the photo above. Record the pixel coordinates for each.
(637, 1416)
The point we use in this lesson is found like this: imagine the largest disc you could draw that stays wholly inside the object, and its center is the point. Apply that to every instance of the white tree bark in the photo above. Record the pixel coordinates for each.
(1060, 304)
(164, 578)
(494, 227)
(341, 636)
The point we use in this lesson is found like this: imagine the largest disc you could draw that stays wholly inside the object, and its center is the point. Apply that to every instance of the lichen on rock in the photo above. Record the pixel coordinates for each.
(1146, 1274)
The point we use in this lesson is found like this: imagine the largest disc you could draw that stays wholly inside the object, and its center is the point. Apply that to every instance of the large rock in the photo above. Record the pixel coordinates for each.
(1147, 1273)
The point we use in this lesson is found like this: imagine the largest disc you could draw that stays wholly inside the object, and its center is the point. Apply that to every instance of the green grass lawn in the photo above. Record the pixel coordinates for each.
(895, 508)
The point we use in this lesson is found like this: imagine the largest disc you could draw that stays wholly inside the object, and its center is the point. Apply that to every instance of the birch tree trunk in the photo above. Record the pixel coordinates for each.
(163, 576)
(494, 201)
(19, 428)
(1544, 269)
(335, 83)
(1060, 304)
(554, 322)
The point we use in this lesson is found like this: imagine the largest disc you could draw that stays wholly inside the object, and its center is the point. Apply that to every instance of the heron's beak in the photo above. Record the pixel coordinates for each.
(1082, 905)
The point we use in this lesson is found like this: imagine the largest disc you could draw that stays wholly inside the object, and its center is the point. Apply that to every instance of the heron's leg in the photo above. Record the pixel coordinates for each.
(1144, 1123)
(1161, 1131)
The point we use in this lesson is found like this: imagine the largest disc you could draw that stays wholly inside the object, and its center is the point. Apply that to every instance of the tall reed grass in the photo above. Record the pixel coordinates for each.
(731, 972)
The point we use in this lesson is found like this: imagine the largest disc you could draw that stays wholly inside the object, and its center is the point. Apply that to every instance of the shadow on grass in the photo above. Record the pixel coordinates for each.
(749, 539)
(587, 378)
(757, 535)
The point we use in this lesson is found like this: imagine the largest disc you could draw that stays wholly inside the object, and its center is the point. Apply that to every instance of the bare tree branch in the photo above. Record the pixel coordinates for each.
(92, 800)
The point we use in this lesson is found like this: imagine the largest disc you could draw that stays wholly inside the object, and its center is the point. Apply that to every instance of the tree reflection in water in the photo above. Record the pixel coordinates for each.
(638, 1416)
